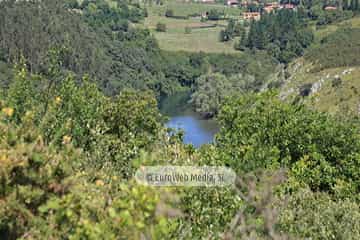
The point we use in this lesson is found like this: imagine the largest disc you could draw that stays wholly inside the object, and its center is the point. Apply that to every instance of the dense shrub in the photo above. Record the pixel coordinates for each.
(169, 13)
(210, 92)
(48, 189)
(161, 27)
(260, 131)
(214, 15)
(187, 30)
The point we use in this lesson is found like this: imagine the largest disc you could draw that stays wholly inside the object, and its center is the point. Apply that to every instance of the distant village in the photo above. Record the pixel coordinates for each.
(266, 8)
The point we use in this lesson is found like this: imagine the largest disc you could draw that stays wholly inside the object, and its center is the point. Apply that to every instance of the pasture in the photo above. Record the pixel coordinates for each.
(188, 8)
(325, 31)
(203, 36)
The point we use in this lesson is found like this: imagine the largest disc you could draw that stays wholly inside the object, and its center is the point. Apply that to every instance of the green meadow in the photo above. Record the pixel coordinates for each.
(203, 36)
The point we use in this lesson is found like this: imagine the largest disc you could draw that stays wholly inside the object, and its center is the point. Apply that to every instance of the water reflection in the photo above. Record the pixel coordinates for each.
(197, 130)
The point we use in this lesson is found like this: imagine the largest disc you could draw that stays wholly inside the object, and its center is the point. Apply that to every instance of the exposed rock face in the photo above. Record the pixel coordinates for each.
(317, 86)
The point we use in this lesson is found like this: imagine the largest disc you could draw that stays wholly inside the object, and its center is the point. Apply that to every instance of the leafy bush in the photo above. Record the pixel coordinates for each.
(48, 189)
(169, 13)
(210, 92)
(214, 15)
(187, 30)
(161, 27)
(260, 131)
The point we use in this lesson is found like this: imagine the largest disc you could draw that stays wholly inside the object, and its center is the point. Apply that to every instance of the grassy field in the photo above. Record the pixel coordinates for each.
(185, 9)
(199, 39)
(205, 40)
(178, 25)
(321, 33)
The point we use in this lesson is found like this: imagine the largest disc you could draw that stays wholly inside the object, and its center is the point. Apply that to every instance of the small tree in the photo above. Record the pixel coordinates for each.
(161, 27)
(214, 15)
(224, 36)
(169, 13)
(187, 30)
(239, 30)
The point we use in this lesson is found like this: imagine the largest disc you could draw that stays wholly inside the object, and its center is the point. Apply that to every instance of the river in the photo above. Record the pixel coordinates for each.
(197, 130)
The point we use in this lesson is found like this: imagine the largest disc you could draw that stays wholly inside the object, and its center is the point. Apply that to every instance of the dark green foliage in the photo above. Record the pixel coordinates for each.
(284, 31)
(5, 74)
(354, 5)
(169, 13)
(214, 15)
(232, 30)
(183, 68)
(224, 36)
(210, 91)
(253, 7)
(72, 4)
(231, 74)
(36, 35)
(241, 44)
(99, 13)
(99, 42)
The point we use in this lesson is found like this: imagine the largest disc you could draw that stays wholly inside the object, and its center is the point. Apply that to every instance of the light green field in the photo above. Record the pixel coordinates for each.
(175, 38)
(321, 33)
(185, 9)
(205, 40)
(112, 3)
(178, 25)
(344, 97)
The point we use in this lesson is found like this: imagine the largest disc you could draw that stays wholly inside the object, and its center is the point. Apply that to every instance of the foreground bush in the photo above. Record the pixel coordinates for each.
(161, 27)
(316, 216)
(50, 194)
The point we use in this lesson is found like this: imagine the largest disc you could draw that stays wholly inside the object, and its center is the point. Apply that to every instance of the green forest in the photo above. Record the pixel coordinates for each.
(80, 88)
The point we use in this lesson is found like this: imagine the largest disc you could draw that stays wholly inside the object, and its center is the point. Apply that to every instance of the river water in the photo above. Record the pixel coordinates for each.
(197, 130)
